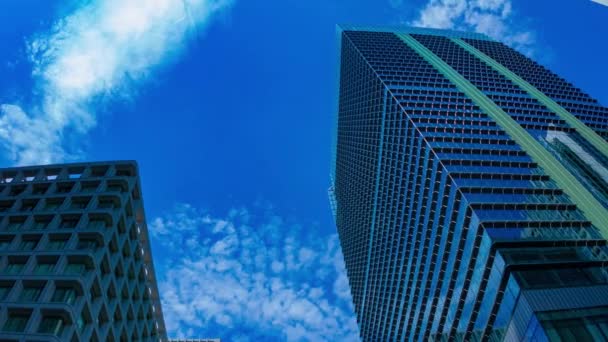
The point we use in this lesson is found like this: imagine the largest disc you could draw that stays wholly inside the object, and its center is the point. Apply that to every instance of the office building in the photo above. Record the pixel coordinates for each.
(75, 260)
(470, 191)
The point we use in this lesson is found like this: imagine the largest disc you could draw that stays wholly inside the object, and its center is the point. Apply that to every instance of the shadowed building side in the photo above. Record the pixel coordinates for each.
(76, 263)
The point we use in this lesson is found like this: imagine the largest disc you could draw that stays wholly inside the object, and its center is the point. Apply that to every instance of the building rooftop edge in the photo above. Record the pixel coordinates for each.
(73, 164)
(413, 30)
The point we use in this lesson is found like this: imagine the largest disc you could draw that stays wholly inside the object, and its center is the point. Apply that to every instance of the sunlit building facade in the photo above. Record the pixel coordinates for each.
(75, 261)
(470, 191)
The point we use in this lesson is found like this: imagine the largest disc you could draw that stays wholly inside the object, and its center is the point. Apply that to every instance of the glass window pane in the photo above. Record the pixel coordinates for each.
(30, 294)
(64, 295)
(51, 325)
(16, 323)
(75, 269)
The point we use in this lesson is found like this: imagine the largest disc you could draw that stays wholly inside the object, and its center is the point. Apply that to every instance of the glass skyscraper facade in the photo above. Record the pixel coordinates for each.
(470, 191)
(75, 260)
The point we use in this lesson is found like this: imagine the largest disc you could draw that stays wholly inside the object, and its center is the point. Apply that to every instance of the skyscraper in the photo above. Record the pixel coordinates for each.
(470, 191)
(75, 261)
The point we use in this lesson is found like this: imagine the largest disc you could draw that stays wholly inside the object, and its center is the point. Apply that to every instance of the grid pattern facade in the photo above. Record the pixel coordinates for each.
(450, 229)
(571, 98)
(75, 261)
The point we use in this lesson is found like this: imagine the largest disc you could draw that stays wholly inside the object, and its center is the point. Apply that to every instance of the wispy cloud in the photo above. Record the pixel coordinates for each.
(250, 275)
(602, 2)
(492, 17)
(99, 51)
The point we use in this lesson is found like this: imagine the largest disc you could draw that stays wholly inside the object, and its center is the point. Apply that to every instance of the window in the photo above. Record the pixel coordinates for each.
(28, 245)
(111, 293)
(29, 176)
(99, 171)
(52, 174)
(29, 205)
(75, 173)
(51, 325)
(6, 205)
(115, 187)
(133, 232)
(97, 223)
(75, 269)
(89, 186)
(15, 267)
(124, 172)
(15, 223)
(30, 293)
(65, 295)
(95, 291)
(105, 203)
(121, 226)
(42, 222)
(69, 222)
(56, 243)
(136, 193)
(5, 243)
(118, 271)
(87, 244)
(572, 330)
(80, 203)
(131, 273)
(129, 209)
(126, 251)
(64, 188)
(105, 267)
(5, 289)
(44, 267)
(16, 322)
(40, 189)
(113, 246)
(8, 177)
(559, 277)
(53, 204)
(17, 190)
(80, 323)
(83, 320)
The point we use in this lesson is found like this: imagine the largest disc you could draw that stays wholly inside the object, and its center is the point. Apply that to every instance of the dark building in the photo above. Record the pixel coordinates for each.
(470, 189)
(75, 262)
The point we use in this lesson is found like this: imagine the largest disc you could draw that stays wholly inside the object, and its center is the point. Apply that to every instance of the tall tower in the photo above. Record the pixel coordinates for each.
(470, 191)
(75, 261)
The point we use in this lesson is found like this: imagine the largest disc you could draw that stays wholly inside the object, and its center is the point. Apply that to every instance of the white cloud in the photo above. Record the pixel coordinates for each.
(28, 139)
(266, 285)
(99, 51)
(602, 2)
(492, 17)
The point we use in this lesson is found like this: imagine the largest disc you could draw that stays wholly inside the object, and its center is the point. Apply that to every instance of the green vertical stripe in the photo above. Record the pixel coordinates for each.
(588, 133)
(594, 211)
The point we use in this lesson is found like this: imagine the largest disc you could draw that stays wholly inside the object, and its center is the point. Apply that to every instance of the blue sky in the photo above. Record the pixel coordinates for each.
(228, 108)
